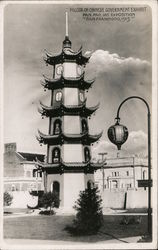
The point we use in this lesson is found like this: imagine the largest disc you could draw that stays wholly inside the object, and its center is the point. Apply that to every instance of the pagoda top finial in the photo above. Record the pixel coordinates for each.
(67, 42)
(67, 27)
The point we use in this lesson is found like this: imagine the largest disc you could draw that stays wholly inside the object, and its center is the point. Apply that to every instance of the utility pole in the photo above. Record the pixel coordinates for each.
(103, 174)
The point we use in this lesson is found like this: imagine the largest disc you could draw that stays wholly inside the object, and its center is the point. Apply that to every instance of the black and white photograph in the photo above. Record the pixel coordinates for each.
(78, 124)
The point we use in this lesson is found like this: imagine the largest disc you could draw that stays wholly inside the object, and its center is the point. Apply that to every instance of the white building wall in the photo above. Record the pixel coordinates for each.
(138, 175)
(137, 199)
(116, 199)
(23, 198)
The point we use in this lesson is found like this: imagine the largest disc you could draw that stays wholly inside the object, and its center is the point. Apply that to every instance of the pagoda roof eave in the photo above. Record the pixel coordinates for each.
(92, 109)
(45, 107)
(99, 164)
(94, 138)
(67, 82)
(68, 51)
(62, 78)
(50, 111)
(68, 54)
(55, 139)
(71, 107)
(43, 165)
(46, 165)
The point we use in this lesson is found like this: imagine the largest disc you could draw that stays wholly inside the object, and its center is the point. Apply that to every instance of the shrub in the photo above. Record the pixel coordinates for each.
(47, 212)
(89, 217)
(7, 199)
(127, 220)
(50, 200)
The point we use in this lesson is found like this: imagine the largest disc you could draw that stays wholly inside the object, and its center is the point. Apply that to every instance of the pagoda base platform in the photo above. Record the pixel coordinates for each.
(68, 187)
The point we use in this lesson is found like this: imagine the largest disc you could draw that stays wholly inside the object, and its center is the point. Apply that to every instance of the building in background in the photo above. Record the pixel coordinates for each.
(122, 173)
(20, 172)
(119, 178)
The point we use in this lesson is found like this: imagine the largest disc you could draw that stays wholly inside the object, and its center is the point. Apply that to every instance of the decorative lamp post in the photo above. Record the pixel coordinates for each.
(118, 134)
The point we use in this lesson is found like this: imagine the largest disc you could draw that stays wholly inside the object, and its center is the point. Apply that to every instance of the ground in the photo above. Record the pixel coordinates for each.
(44, 227)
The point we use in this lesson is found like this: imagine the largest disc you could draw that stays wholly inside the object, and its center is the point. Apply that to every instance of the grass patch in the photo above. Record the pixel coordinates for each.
(45, 227)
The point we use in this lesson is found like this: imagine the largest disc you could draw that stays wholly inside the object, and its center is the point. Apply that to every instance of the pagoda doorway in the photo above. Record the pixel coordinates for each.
(56, 189)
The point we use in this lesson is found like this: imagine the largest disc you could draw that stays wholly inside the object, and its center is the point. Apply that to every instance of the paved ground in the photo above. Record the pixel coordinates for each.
(107, 211)
(52, 242)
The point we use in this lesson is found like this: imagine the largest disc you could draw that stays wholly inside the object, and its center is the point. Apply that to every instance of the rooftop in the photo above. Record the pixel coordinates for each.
(32, 156)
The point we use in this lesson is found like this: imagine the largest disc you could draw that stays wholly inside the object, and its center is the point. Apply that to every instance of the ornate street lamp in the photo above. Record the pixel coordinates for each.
(118, 134)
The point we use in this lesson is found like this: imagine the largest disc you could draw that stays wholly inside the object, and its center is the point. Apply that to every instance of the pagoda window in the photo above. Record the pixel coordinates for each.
(58, 96)
(81, 97)
(57, 127)
(90, 184)
(84, 126)
(56, 155)
(86, 154)
(79, 70)
(59, 69)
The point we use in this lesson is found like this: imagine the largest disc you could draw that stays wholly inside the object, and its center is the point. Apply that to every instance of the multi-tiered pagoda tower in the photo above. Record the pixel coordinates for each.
(68, 168)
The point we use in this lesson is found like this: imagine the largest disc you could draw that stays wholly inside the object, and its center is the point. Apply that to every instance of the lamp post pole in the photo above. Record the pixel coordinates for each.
(149, 156)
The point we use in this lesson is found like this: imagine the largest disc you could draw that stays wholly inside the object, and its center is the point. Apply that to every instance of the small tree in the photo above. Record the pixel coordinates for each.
(7, 199)
(89, 215)
(50, 200)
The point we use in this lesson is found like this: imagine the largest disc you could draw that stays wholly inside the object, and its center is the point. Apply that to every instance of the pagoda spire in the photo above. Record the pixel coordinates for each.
(67, 26)
(67, 42)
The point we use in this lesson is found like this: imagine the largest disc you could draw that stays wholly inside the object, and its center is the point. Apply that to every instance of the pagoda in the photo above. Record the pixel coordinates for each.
(68, 168)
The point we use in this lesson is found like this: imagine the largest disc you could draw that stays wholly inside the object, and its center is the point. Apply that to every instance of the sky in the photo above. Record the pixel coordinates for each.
(120, 61)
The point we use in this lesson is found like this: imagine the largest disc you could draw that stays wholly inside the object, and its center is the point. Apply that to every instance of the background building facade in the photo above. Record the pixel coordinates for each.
(122, 173)
(21, 176)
